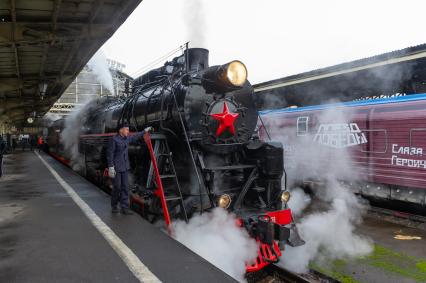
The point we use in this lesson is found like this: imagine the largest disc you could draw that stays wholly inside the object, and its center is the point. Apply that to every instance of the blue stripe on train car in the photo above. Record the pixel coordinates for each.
(407, 98)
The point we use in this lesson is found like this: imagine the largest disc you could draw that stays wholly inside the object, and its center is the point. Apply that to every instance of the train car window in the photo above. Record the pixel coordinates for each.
(377, 141)
(417, 137)
(302, 125)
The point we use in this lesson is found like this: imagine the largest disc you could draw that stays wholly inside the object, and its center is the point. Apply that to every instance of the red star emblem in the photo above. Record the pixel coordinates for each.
(226, 120)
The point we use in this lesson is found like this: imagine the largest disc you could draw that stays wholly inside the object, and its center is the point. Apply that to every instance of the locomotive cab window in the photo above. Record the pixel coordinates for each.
(302, 125)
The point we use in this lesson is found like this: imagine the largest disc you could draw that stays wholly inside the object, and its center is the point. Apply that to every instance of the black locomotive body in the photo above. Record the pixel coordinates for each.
(209, 118)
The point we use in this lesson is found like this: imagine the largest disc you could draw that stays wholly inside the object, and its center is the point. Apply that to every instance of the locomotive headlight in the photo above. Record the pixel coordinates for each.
(224, 201)
(224, 78)
(236, 73)
(285, 196)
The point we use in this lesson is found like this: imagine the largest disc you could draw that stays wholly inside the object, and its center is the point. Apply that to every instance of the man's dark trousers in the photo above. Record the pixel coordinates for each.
(120, 191)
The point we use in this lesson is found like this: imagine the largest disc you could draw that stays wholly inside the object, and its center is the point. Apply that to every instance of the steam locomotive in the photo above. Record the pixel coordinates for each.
(205, 144)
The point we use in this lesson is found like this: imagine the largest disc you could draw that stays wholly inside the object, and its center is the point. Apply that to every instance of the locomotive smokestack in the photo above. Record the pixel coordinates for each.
(197, 59)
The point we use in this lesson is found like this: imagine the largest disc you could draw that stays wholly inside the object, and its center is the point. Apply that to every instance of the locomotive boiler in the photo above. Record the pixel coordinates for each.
(208, 151)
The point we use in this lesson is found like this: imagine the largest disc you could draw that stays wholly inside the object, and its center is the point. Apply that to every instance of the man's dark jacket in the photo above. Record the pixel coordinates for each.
(118, 153)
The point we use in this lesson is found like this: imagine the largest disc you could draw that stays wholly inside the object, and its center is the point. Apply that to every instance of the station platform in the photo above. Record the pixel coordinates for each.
(55, 226)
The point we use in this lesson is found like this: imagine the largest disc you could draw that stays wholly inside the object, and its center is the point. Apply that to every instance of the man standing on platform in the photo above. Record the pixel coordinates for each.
(32, 142)
(40, 143)
(2, 150)
(119, 166)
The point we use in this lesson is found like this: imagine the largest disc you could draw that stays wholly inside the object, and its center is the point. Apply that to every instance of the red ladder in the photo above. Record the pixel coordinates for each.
(171, 194)
(159, 191)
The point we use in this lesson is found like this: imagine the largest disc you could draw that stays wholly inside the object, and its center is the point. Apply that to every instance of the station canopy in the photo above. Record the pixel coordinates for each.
(43, 46)
(401, 72)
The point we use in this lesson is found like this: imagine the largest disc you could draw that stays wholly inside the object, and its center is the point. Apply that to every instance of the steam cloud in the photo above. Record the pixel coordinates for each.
(385, 81)
(329, 234)
(99, 66)
(74, 124)
(298, 201)
(216, 237)
(195, 25)
(70, 135)
(329, 230)
(49, 118)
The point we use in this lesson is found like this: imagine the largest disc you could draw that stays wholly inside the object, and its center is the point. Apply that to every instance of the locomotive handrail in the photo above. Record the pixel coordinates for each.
(263, 125)
(161, 115)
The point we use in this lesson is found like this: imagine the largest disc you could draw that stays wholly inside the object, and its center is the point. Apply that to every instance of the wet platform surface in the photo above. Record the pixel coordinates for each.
(45, 236)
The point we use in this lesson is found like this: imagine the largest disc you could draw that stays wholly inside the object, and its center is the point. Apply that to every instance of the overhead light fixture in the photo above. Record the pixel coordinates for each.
(30, 120)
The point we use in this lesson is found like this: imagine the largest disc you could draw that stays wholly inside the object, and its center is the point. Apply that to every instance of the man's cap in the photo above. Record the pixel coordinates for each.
(123, 125)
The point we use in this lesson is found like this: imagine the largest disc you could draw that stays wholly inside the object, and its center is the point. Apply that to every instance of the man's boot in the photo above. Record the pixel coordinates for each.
(126, 211)
(114, 210)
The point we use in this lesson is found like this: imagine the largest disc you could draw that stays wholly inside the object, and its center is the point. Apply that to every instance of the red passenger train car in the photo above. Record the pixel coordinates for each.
(381, 142)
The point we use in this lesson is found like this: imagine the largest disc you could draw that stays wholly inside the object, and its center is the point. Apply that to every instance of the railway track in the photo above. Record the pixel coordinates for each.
(276, 274)
(403, 218)
(398, 214)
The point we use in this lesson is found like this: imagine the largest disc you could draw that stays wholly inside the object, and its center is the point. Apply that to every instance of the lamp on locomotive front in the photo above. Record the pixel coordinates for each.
(227, 77)
(236, 73)
(285, 196)
(224, 201)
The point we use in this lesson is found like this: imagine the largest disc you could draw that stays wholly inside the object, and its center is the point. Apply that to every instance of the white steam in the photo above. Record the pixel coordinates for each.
(329, 234)
(99, 66)
(329, 229)
(298, 201)
(75, 122)
(70, 135)
(305, 159)
(216, 237)
(49, 118)
(194, 17)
